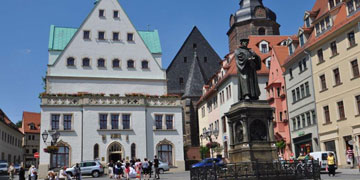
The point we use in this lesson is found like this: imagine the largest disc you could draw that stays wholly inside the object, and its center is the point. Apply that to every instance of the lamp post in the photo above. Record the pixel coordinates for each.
(207, 135)
(54, 138)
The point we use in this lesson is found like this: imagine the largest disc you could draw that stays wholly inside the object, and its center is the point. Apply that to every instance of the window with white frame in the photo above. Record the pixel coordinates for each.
(264, 47)
(169, 121)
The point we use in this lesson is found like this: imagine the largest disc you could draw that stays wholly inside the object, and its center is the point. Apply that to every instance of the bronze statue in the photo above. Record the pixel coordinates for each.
(248, 62)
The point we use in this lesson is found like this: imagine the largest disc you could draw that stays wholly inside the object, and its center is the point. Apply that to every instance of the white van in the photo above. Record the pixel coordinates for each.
(321, 156)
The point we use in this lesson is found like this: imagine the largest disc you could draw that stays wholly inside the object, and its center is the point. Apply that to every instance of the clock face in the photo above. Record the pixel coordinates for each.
(260, 12)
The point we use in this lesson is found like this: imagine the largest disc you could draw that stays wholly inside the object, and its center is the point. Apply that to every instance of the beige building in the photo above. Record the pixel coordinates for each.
(11, 149)
(335, 57)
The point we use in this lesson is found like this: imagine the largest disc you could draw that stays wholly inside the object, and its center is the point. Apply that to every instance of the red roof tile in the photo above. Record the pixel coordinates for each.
(28, 118)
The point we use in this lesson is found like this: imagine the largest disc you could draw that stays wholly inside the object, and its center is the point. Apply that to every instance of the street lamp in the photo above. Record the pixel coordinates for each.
(54, 136)
(207, 135)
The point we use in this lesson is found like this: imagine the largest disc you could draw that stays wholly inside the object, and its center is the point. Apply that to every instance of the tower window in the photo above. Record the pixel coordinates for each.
(194, 46)
(262, 31)
(185, 59)
(181, 81)
(205, 59)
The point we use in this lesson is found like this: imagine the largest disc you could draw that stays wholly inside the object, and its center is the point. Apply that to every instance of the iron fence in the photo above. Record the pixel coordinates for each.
(280, 170)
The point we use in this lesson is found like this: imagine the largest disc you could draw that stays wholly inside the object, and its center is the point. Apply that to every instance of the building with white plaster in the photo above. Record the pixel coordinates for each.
(106, 94)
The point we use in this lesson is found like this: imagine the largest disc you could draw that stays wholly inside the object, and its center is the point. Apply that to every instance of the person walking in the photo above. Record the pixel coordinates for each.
(156, 166)
(111, 169)
(22, 173)
(145, 167)
(331, 164)
(11, 171)
(77, 171)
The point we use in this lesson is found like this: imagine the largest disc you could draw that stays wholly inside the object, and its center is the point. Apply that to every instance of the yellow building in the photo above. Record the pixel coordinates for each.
(335, 56)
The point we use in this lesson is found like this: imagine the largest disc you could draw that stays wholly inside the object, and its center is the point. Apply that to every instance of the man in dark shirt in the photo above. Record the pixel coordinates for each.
(156, 166)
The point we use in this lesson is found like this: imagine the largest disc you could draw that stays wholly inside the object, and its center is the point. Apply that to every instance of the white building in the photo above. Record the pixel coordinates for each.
(11, 149)
(106, 91)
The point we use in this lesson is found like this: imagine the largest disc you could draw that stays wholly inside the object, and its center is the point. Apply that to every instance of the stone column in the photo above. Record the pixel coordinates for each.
(231, 133)
(271, 131)
(245, 129)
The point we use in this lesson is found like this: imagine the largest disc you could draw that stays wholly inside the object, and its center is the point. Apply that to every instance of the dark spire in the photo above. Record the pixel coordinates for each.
(196, 80)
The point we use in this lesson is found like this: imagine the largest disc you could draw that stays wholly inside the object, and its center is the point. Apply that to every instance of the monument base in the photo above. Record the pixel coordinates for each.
(251, 132)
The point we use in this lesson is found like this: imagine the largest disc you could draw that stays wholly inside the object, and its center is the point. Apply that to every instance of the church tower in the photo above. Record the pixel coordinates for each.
(253, 18)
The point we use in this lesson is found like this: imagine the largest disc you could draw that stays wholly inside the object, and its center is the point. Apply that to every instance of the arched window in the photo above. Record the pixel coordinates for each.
(86, 62)
(116, 63)
(165, 153)
(61, 158)
(130, 64)
(70, 61)
(261, 31)
(144, 64)
(101, 62)
(133, 150)
(96, 151)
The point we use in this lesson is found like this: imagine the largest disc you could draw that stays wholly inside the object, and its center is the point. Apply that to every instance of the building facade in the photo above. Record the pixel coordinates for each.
(192, 67)
(31, 141)
(276, 93)
(335, 58)
(11, 149)
(106, 94)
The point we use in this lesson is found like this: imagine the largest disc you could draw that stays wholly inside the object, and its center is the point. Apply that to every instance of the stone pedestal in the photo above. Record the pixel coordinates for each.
(251, 132)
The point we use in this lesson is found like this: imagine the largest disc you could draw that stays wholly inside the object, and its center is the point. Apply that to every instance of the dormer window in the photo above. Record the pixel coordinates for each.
(130, 64)
(268, 62)
(101, 13)
(323, 25)
(264, 47)
(334, 3)
(291, 50)
(70, 61)
(32, 126)
(307, 22)
(302, 40)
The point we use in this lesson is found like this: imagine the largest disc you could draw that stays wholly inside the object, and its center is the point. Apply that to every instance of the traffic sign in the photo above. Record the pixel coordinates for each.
(36, 155)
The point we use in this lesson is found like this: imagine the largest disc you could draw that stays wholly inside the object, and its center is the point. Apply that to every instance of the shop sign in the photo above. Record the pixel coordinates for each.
(301, 133)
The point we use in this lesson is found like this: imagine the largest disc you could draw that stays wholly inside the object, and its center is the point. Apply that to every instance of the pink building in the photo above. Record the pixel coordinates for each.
(276, 92)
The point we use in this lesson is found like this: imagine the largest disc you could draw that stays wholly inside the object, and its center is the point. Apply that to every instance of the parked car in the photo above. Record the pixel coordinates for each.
(322, 156)
(163, 166)
(3, 168)
(208, 162)
(17, 167)
(93, 168)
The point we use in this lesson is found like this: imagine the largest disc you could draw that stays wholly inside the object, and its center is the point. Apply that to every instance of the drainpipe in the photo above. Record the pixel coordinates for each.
(146, 131)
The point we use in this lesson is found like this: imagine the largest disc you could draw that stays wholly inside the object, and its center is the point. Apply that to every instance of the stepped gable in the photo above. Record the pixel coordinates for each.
(179, 68)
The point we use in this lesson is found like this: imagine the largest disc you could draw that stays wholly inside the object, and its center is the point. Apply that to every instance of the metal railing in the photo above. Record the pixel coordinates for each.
(280, 170)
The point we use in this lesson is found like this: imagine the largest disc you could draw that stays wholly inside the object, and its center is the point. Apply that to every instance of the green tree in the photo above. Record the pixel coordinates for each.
(19, 124)
(204, 151)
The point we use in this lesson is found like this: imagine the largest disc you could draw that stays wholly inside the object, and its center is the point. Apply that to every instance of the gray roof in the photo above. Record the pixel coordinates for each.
(181, 69)
(247, 11)
(196, 80)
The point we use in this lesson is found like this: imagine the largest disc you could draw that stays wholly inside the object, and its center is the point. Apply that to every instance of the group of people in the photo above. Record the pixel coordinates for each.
(32, 173)
(133, 169)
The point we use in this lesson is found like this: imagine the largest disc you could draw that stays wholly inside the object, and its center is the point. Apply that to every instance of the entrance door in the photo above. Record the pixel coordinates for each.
(114, 157)
(115, 152)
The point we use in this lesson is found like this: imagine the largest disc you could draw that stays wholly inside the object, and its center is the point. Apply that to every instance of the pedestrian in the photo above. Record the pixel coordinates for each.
(127, 170)
(145, 167)
(116, 172)
(150, 168)
(138, 169)
(32, 173)
(63, 175)
(77, 171)
(22, 173)
(111, 169)
(11, 171)
(331, 164)
(156, 166)
(350, 157)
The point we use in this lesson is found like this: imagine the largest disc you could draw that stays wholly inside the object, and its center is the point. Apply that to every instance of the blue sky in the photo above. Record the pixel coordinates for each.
(25, 25)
